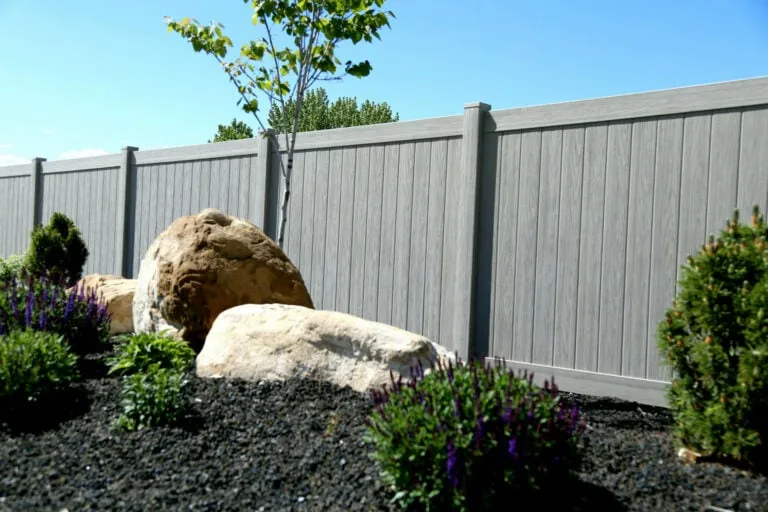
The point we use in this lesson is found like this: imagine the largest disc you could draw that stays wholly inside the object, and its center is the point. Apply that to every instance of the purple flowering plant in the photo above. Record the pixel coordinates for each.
(470, 436)
(38, 303)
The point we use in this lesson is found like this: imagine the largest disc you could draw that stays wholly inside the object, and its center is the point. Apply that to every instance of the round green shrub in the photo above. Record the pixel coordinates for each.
(57, 250)
(472, 437)
(34, 364)
(143, 351)
(715, 339)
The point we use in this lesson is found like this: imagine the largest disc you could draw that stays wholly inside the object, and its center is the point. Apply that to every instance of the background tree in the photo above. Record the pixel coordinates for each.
(235, 131)
(318, 113)
(315, 28)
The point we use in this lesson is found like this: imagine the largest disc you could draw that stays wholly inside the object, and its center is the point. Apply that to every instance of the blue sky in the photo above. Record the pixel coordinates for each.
(87, 77)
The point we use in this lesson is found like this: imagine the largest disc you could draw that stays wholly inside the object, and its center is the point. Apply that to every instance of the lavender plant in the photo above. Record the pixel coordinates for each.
(37, 303)
(471, 437)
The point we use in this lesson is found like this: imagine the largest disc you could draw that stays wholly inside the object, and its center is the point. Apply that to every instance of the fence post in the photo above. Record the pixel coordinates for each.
(125, 212)
(468, 182)
(267, 203)
(36, 191)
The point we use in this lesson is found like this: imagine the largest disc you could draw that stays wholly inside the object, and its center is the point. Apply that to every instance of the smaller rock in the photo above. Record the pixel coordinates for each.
(118, 294)
(258, 342)
(687, 455)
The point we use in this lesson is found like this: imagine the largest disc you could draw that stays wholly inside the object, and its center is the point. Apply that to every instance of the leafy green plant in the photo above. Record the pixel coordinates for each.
(471, 437)
(34, 364)
(57, 250)
(316, 29)
(715, 339)
(12, 266)
(143, 351)
(37, 303)
(153, 398)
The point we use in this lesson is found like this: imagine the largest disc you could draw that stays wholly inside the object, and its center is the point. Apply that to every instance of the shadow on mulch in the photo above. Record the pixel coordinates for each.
(570, 495)
(578, 495)
(45, 414)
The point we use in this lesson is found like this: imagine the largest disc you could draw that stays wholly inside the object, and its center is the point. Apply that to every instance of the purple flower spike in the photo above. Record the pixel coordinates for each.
(479, 431)
(512, 448)
(28, 314)
(452, 466)
(70, 306)
(507, 418)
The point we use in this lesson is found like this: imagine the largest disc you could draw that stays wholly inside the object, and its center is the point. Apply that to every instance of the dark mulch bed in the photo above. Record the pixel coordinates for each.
(297, 446)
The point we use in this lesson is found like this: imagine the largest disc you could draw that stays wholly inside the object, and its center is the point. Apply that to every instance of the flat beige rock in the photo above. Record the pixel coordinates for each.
(277, 342)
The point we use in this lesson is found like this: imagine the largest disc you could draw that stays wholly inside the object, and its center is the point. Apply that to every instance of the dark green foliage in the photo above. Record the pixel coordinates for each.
(143, 351)
(33, 365)
(153, 398)
(57, 250)
(36, 303)
(715, 338)
(472, 437)
(237, 130)
(318, 113)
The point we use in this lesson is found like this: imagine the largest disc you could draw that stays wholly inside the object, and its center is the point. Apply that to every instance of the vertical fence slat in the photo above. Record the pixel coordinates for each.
(587, 332)
(402, 258)
(569, 232)
(638, 258)
(614, 248)
(666, 207)
(546, 248)
(526, 257)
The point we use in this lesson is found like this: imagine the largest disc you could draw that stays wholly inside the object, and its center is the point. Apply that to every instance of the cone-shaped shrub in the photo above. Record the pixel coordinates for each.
(715, 338)
(57, 250)
(472, 437)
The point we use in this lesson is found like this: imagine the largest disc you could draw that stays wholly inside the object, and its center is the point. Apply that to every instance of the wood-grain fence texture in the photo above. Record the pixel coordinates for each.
(549, 236)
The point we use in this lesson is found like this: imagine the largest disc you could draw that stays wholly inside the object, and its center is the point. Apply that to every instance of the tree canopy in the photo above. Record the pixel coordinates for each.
(318, 113)
(235, 131)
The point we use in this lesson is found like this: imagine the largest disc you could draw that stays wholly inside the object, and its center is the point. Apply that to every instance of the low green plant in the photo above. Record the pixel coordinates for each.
(715, 339)
(471, 437)
(153, 398)
(57, 250)
(142, 351)
(33, 365)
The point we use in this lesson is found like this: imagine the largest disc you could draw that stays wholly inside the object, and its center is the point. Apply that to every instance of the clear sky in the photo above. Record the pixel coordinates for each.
(87, 77)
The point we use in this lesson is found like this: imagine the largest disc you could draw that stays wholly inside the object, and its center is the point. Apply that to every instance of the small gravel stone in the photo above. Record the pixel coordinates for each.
(264, 446)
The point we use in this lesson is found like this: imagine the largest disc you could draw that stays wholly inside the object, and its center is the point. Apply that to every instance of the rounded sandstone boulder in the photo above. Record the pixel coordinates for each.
(204, 264)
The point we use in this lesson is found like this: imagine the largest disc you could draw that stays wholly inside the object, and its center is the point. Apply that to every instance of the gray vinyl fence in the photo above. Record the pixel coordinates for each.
(549, 236)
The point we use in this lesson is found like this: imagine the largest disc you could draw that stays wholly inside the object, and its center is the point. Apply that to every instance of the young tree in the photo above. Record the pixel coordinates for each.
(318, 113)
(316, 28)
(235, 131)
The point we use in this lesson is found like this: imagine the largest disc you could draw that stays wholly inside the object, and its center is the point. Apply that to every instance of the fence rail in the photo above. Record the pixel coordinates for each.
(549, 236)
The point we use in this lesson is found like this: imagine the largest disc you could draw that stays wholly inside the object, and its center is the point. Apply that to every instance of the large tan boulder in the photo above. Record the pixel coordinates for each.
(204, 264)
(276, 342)
(117, 293)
